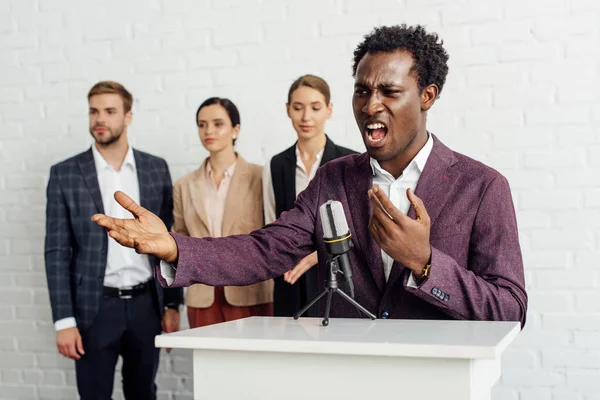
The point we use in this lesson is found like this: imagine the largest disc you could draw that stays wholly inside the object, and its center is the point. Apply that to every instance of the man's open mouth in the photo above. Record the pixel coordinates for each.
(376, 133)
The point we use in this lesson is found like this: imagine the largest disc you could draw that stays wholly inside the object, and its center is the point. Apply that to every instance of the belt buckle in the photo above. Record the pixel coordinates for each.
(124, 296)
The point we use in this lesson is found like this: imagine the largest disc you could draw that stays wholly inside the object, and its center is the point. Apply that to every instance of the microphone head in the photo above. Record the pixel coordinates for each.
(333, 220)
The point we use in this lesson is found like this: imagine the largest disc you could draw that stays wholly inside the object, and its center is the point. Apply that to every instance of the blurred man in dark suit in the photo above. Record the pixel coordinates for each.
(105, 300)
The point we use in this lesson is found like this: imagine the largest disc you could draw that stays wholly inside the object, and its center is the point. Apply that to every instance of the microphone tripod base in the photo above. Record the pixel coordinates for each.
(329, 292)
(331, 287)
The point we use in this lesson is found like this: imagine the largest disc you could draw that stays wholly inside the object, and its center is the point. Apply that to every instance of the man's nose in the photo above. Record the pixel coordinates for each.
(373, 105)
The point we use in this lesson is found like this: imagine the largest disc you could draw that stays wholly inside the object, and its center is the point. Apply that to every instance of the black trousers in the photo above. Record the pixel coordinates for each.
(124, 327)
(289, 299)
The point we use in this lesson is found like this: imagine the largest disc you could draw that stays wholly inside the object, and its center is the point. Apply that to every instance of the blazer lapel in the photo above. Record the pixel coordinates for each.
(90, 176)
(328, 152)
(433, 188)
(289, 178)
(196, 191)
(358, 180)
(238, 188)
(145, 182)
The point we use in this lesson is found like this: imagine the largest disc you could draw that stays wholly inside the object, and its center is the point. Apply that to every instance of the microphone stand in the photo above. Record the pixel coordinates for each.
(331, 287)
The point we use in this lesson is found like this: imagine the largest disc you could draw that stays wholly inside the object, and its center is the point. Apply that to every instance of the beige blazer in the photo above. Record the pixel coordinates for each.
(243, 214)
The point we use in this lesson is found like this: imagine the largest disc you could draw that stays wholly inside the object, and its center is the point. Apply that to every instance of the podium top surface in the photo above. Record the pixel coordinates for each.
(396, 338)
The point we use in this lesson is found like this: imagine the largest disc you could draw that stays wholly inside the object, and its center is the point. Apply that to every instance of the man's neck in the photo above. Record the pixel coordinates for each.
(114, 154)
(397, 165)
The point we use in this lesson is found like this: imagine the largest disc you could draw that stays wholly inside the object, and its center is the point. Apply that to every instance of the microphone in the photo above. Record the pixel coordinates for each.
(337, 237)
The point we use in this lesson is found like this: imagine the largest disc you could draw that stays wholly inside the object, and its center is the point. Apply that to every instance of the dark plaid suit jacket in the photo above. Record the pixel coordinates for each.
(76, 247)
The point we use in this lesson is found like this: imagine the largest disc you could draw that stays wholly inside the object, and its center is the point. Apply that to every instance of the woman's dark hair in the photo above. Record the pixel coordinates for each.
(232, 111)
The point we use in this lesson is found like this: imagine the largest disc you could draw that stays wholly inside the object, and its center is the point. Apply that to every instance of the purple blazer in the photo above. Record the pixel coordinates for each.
(476, 265)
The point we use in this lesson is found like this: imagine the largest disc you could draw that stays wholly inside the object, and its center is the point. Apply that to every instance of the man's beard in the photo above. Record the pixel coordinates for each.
(108, 140)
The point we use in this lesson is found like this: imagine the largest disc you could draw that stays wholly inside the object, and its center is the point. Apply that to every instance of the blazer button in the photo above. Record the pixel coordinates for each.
(385, 315)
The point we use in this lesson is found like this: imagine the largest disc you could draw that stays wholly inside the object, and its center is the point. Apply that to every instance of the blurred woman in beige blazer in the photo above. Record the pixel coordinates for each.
(223, 197)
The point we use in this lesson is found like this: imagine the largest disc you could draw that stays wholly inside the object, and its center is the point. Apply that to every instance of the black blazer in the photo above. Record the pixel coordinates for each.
(76, 248)
(288, 299)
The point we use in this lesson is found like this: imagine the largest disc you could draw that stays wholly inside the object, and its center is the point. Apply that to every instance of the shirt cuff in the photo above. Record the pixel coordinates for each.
(65, 323)
(167, 270)
(412, 283)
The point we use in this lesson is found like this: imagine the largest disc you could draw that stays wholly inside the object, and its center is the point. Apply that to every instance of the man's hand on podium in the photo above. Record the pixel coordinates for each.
(146, 232)
(404, 239)
(304, 265)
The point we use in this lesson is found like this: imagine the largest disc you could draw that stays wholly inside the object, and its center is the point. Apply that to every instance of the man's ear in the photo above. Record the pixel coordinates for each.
(429, 96)
(128, 117)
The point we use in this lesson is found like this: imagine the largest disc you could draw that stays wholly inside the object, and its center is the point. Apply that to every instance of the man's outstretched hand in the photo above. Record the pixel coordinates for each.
(146, 233)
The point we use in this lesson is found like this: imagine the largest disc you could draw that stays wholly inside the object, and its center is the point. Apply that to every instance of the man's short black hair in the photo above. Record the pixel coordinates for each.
(430, 57)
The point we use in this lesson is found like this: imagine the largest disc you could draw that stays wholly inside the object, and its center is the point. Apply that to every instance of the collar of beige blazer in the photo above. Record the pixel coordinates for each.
(235, 196)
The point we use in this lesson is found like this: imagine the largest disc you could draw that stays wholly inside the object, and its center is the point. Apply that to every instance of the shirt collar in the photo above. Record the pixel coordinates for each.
(419, 161)
(318, 156)
(299, 162)
(101, 163)
(227, 174)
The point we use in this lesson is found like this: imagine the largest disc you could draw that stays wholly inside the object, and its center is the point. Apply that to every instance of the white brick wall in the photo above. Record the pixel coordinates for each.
(522, 95)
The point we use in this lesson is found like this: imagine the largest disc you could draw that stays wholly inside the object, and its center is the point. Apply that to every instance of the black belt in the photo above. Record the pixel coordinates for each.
(128, 293)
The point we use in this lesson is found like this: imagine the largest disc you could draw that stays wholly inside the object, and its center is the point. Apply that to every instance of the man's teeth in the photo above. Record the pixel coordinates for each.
(373, 126)
(376, 125)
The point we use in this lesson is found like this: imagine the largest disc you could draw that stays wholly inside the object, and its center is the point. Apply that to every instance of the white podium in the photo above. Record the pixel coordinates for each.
(280, 358)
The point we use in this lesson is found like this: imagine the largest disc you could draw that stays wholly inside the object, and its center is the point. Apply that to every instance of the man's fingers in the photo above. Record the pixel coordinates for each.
(121, 238)
(127, 203)
(79, 345)
(61, 350)
(387, 205)
(111, 224)
(417, 203)
(375, 230)
(73, 352)
(142, 247)
(379, 213)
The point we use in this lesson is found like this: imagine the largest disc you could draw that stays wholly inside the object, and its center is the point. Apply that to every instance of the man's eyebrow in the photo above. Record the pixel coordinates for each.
(389, 85)
(382, 85)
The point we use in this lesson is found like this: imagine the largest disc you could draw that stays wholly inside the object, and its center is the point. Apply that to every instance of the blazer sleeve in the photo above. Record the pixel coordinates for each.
(173, 296)
(493, 285)
(58, 249)
(263, 254)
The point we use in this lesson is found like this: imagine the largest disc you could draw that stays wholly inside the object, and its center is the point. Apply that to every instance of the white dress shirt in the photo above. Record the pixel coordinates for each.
(395, 190)
(124, 267)
(303, 178)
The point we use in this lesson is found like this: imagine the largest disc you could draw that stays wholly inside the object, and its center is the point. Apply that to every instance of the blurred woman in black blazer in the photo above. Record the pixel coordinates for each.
(289, 172)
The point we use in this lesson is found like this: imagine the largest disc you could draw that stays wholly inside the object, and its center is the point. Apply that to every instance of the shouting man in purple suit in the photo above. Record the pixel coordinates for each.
(435, 234)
